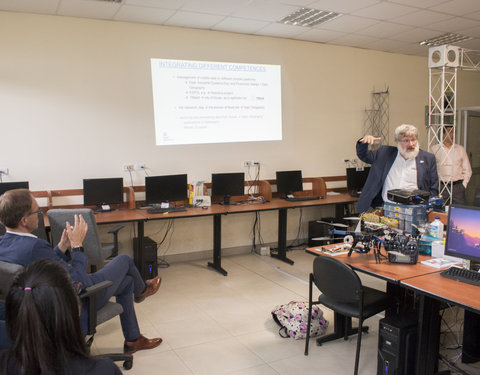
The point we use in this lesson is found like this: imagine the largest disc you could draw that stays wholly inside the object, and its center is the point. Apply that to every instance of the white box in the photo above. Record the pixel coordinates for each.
(201, 201)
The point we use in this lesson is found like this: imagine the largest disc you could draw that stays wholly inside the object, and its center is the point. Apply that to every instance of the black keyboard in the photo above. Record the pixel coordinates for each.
(462, 274)
(299, 199)
(162, 210)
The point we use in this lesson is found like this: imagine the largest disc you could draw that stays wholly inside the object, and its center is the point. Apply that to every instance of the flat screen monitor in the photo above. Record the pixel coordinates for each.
(168, 188)
(356, 178)
(4, 186)
(102, 191)
(289, 182)
(463, 232)
(227, 184)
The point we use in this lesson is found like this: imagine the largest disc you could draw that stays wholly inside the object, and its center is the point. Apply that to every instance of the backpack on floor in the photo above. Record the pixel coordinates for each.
(293, 319)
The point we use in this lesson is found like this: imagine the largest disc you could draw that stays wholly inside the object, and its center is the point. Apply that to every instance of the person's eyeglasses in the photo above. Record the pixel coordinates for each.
(406, 141)
(35, 212)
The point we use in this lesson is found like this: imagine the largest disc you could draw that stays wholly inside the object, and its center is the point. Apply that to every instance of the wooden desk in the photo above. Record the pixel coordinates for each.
(276, 204)
(434, 288)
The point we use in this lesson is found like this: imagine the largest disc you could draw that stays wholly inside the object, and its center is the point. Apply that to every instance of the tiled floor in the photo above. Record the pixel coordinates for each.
(212, 324)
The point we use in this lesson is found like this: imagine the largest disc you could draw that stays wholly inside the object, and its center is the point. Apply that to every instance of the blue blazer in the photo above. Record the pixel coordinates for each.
(25, 249)
(381, 161)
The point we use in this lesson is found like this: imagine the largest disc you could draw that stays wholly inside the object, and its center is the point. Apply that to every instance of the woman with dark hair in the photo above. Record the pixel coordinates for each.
(42, 317)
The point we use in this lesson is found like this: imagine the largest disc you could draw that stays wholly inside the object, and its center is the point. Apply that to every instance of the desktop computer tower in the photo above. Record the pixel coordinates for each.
(397, 341)
(471, 334)
(318, 230)
(149, 265)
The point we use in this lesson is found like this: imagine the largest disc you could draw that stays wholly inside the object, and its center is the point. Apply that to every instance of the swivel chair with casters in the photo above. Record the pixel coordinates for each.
(8, 271)
(96, 252)
(343, 292)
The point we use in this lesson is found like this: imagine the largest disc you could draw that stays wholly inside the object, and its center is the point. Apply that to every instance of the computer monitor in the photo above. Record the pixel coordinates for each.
(289, 182)
(463, 233)
(168, 188)
(227, 184)
(356, 178)
(4, 186)
(102, 192)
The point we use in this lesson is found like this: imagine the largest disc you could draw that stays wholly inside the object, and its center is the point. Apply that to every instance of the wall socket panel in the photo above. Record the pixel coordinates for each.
(4, 171)
(250, 163)
(134, 167)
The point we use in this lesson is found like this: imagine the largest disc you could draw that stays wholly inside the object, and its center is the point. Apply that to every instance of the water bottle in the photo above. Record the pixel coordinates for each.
(436, 228)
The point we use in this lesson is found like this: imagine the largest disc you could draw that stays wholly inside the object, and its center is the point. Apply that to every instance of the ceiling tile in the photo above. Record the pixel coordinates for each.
(143, 14)
(385, 29)
(347, 24)
(264, 10)
(421, 18)
(453, 25)
(384, 11)
(30, 6)
(166, 4)
(222, 7)
(240, 25)
(417, 3)
(89, 9)
(470, 44)
(458, 7)
(353, 40)
(280, 30)
(346, 6)
(415, 35)
(195, 20)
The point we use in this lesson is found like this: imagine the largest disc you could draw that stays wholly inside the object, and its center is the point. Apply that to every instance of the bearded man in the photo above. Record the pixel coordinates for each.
(402, 167)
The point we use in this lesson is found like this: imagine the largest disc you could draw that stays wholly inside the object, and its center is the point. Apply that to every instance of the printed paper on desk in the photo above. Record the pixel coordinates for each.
(439, 262)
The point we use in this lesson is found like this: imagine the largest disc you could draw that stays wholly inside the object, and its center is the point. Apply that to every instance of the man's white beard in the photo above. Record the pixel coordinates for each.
(408, 154)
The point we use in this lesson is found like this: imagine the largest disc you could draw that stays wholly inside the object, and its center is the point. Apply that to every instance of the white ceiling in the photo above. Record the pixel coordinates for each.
(386, 25)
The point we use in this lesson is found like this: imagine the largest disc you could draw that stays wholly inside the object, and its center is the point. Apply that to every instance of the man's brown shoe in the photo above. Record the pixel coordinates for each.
(150, 289)
(141, 343)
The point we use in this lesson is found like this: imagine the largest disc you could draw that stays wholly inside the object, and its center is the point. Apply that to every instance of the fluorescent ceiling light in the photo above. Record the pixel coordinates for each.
(308, 17)
(448, 38)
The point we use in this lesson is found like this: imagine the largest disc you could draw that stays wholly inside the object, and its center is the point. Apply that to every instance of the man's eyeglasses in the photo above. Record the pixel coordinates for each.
(35, 212)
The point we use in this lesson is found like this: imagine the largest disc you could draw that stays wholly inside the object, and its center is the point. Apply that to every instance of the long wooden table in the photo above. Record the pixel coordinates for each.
(276, 204)
(430, 286)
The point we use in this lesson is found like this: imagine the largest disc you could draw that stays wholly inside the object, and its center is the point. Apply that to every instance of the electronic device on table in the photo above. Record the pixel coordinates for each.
(402, 248)
(5, 186)
(463, 241)
(161, 190)
(226, 185)
(102, 192)
(289, 182)
(356, 178)
(404, 196)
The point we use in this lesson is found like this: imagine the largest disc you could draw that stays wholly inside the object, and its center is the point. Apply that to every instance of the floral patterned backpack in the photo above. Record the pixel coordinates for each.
(293, 319)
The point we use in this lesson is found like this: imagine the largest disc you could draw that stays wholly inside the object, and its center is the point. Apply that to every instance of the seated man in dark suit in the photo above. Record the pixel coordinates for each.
(18, 212)
(402, 167)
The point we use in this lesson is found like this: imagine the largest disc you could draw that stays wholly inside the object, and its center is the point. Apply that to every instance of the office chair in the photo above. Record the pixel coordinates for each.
(96, 252)
(8, 271)
(343, 292)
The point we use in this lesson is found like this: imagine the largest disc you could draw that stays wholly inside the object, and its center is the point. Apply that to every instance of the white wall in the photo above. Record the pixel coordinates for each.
(76, 102)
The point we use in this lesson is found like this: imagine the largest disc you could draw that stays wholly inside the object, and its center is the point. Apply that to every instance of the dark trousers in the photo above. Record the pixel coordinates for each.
(458, 193)
(127, 283)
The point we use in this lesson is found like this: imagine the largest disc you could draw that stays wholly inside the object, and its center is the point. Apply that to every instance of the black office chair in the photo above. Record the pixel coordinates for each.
(96, 252)
(343, 292)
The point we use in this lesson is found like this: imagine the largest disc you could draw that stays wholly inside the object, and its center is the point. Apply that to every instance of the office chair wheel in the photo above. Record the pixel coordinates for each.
(127, 365)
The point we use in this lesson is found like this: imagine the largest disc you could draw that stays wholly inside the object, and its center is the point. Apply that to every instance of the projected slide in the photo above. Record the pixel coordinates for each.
(213, 102)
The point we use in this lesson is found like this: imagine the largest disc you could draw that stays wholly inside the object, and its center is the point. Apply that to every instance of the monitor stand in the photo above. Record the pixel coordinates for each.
(227, 201)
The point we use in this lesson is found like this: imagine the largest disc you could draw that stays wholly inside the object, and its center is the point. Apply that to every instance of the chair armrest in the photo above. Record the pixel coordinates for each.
(115, 229)
(89, 297)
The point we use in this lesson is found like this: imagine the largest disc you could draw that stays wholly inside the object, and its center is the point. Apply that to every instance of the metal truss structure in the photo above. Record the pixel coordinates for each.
(444, 63)
(377, 119)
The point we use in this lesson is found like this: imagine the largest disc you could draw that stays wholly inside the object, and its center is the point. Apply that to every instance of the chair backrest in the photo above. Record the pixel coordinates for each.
(41, 232)
(91, 244)
(8, 271)
(336, 280)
